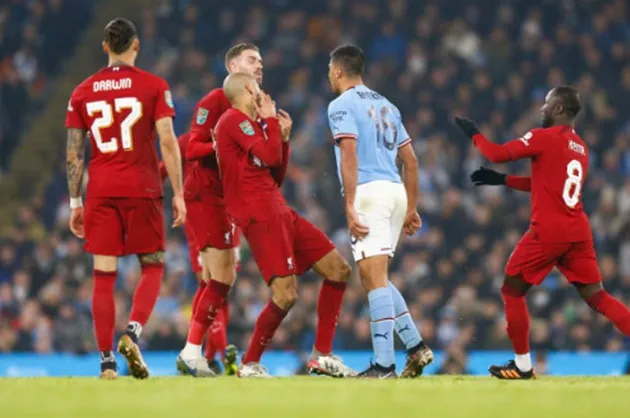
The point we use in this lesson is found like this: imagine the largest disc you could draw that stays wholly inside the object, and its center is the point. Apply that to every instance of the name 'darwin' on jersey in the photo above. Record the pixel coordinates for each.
(107, 85)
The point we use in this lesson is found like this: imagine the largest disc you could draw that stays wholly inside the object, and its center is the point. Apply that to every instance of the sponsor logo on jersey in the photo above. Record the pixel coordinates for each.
(574, 146)
(168, 97)
(247, 128)
(202, 116)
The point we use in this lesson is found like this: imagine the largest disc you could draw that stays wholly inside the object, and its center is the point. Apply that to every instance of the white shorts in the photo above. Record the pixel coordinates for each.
(381, 206)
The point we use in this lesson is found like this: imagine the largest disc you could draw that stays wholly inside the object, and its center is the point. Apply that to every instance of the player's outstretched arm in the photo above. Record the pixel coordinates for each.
(199, 147)
(488, 177)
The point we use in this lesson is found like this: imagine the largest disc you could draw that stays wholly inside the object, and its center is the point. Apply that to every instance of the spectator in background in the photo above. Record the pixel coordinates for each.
(434, 58)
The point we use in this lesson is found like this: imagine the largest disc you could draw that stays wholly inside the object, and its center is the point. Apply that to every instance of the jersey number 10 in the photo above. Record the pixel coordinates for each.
(386, 130)
(106, 120)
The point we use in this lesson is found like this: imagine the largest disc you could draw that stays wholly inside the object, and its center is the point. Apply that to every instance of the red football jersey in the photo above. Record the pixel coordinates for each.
(249, 187)
(119, 106)
(204, 174)
(182, 141)
(559, 168)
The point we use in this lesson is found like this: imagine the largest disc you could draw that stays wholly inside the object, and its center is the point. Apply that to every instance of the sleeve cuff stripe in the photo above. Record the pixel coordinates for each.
(405, 142)
(338, 136)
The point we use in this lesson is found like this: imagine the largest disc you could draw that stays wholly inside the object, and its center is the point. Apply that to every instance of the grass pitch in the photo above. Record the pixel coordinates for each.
(302, 397)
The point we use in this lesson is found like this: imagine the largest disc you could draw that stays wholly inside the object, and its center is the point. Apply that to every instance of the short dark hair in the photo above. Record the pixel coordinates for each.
(350, 58)
(119, 34)
(569, 98)
(237, 50)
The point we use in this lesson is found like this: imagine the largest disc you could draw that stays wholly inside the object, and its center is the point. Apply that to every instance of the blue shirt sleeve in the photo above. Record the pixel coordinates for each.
(401, 133)
(341, 120)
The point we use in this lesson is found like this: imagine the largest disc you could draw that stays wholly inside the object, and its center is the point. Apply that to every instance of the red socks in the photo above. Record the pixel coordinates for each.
(200, 288)
(217, 334)
(268, 322)
(146, 293)
(208, 306)
(517, 319)
(104, 308)
(328, 308)
(612, 309)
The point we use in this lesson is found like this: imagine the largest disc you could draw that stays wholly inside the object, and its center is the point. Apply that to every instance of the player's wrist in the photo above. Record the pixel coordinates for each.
(76, 202)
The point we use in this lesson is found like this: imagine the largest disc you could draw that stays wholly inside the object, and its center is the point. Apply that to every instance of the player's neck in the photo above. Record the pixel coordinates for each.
(251, 113)
(119, 60)
(351, 83)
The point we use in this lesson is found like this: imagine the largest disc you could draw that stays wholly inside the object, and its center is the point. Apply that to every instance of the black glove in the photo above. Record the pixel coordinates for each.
(487, 176)
(468, 126)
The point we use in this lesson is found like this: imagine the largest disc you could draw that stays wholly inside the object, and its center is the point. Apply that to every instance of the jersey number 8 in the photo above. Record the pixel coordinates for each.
(573, 184)
(385, 128)
(106, 119)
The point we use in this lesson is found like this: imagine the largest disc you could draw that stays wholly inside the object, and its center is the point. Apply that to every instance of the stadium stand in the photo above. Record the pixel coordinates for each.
(434, 59)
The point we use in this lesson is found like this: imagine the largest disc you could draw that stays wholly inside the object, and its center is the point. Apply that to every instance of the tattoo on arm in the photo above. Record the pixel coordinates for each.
(75, 160)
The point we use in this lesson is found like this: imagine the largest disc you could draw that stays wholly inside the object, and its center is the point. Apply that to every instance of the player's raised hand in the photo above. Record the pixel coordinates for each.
(179, 211)
(413, 223)
(487, 176)
(286, 123)
(267, 107)
(76, 222)
(469, 127)
(357, 229)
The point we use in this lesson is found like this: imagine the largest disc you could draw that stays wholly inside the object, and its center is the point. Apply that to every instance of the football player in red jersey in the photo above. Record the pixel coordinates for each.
(559, 234)
(121, 107)
(216, 236)
(252, 163)
(217, 334)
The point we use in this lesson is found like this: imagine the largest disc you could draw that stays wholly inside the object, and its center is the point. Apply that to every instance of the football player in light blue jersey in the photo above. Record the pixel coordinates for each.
(369, 136)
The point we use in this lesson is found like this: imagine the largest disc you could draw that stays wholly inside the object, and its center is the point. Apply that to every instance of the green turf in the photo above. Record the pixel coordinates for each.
(302, 397)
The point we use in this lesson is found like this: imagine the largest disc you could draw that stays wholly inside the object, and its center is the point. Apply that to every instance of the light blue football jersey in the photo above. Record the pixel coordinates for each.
(375, 123)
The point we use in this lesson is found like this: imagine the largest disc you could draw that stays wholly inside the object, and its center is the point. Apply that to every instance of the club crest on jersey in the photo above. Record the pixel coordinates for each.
(202, 116)
(168, 98)
(247, 128)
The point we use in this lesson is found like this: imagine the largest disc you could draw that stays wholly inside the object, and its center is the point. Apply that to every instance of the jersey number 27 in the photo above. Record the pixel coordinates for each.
(106, 120)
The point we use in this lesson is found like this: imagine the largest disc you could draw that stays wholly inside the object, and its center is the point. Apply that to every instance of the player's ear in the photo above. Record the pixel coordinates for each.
(135, 45)
(105, 48)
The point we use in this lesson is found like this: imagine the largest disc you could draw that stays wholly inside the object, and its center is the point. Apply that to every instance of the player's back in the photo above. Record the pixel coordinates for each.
(558, 175)
(367, 116)
(204, 173)
(119, 105)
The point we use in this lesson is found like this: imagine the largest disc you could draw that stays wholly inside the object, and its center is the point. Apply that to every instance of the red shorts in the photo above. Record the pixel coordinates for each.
(210, 224)
(193, 249)
(122, 226)
(533, 260)
(286, 245)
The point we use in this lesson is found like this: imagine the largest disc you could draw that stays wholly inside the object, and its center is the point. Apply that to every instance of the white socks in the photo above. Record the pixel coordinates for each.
(523, 362)
(191, 351)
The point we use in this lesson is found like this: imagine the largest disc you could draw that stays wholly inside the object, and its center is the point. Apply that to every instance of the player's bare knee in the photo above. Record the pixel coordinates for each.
(342, 271)
(587, 291)
(153, 258)
(284, 292)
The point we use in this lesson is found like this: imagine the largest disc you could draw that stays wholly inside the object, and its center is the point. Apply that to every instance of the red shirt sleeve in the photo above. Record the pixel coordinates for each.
(279, 173)
(529, 145)
(74, 119)
(164, 107)
(207, 113)
(267, 150)
(521, 183)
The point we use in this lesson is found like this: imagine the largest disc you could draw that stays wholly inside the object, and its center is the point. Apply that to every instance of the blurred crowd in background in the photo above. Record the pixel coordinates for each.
(492, 60)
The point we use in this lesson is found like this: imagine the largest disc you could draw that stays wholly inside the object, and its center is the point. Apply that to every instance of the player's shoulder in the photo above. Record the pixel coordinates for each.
(214, 96)
(147, 75)
(230, 116)
(343, 102)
